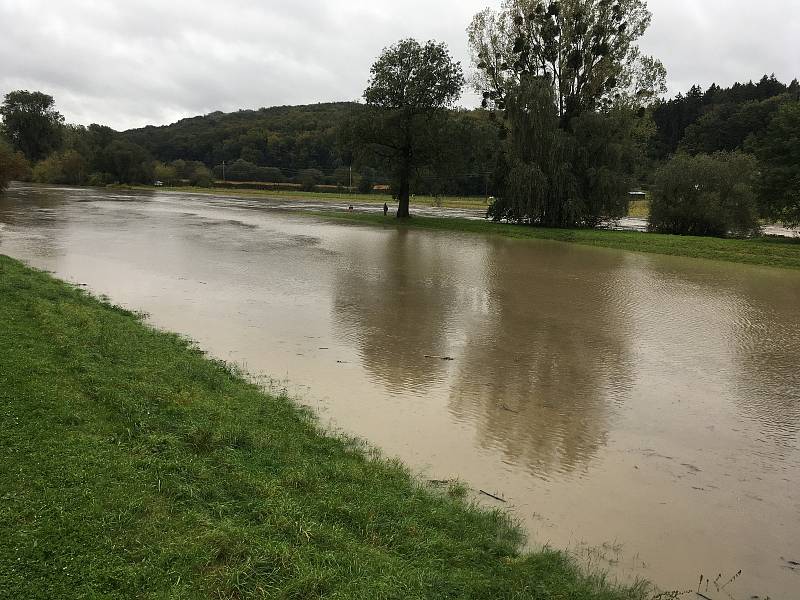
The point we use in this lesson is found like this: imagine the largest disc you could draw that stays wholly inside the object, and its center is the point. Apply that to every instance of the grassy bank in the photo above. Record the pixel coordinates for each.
(132, 466)
(774, 252)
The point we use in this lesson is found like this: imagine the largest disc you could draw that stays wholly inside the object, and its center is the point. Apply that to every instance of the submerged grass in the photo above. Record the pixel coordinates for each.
(131, 466)
(766, 251)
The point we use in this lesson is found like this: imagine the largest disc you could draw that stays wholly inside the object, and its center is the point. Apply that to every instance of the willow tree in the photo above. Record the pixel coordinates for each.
(585, 48)
(569, 83)
(410, 87)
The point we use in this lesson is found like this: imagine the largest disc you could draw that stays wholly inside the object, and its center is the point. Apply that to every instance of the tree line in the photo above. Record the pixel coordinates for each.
(572, 119)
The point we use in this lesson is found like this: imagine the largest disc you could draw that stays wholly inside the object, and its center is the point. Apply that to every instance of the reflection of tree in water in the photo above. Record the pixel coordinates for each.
(548, 357)
(738, 329)
(767, 333)
(393, 302)
(35, 216)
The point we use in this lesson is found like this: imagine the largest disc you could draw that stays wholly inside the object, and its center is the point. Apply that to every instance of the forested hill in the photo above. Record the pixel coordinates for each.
(718, 119)
(293, 138)
(307, 145)
(287, 137)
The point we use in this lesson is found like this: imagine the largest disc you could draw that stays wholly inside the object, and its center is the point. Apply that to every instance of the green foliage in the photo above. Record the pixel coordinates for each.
(167, 174)
(310, 179)
(133, 467)
(31, 123)
(242, 170)
(201, 176)
(342, 177)
(191, 172)
(289, 138)
(778, 152)
(126, 162)
(286, 137)
(559, 178)
(410, 87)
(572, 87)
(726, 127)
(719, 118)
(366, 182)
(13, 165)
(584, 49)
(706, 195)
(68, 167)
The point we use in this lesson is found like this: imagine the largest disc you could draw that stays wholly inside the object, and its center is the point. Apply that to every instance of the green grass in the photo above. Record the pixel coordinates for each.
(131, 466)
(765, 251)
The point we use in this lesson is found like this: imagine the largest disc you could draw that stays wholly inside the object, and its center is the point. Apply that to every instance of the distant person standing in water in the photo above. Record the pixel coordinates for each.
(385, 209)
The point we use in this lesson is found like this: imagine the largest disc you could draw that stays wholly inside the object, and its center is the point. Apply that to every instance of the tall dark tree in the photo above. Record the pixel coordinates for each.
(31, 123)
(570, 85)
(586, 49)
(410, 87)
(778, 151)
(558, 178)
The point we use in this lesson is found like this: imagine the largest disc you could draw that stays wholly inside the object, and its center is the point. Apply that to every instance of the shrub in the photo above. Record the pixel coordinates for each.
(67, 167)
(166, 174)
(706, 195)
(310, 179)
(100, 179)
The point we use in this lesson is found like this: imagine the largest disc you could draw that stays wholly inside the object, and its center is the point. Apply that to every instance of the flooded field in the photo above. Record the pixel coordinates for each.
(641, 411)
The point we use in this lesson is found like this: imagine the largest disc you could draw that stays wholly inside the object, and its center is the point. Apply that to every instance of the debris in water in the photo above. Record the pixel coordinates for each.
(439, 357)
(792, 565)
(485, 493)
(732, 579)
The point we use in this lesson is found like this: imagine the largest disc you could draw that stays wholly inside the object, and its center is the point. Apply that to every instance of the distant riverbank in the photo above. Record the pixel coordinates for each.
(463, 202)
(773, 251)
(765, 251)
(132, 465)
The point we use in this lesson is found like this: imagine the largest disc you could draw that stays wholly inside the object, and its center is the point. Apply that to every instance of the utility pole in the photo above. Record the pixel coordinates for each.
(351, 179)
(223, 172)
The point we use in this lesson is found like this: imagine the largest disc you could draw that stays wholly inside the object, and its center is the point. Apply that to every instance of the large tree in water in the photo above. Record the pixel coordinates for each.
(410, 87)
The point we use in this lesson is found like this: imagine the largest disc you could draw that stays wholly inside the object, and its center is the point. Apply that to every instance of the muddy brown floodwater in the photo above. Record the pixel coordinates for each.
(641, 411)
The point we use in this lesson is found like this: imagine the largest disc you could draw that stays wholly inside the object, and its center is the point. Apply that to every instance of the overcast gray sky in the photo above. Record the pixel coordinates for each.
(136, 62)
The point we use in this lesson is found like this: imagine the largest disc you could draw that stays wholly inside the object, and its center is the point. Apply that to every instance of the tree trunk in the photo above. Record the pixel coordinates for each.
(405, 179)
(403, 199)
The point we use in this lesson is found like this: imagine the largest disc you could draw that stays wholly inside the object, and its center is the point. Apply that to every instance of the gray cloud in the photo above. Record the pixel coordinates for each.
(147, 61)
